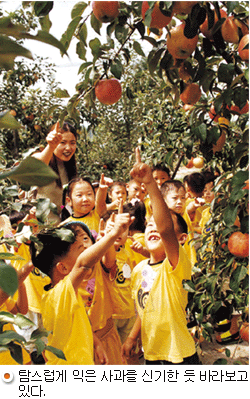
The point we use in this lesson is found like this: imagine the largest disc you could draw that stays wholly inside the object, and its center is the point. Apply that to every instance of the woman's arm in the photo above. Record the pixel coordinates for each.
(53, 139)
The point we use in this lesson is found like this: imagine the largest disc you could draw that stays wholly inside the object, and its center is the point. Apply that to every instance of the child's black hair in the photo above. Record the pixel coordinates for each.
(79, 179)
(196, 182)
(18, 216)
(54, 248)
(182, 225)
(162, 168)
(138, 210)
(169, 185)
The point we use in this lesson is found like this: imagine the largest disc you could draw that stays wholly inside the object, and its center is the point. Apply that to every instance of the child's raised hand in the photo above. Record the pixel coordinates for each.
(141, 172)
(54, 137)
(122, 222)
(105, 182)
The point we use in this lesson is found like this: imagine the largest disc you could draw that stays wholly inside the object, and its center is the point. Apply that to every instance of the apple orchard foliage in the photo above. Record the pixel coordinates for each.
(150, 113)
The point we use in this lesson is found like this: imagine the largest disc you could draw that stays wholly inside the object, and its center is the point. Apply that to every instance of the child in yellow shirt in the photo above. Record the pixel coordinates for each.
(68, 263)
(157, 285)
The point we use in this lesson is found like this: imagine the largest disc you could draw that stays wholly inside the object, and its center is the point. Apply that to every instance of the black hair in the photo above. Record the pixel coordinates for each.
(18, 216)
(161, 167)
(138, 210)
(50, 249)
(195, 181)
(73, 182)
(70, 166)
(169, 185)
(181, 223)
(208, 176)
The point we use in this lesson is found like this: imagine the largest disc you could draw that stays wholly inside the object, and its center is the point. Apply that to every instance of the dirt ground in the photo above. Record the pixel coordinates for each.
(210, 352)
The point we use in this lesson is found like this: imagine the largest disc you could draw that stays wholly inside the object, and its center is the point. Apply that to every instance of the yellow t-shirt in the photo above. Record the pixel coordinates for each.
(123, 303)
(64, 314)
(96, 294)
(206, 215)
(189, 244)
(35, 281)
(5, 357)
(92, 220)
(161, 302)
(136, 257)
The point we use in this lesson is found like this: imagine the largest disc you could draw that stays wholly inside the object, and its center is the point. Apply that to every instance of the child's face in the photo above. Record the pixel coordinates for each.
(153, 241)
(82, 199)
(208, 193)
(134, 191)
(118, 193)
(120, 241)
(82, 242)
(160, 177)
(66, 148)
(176, 200)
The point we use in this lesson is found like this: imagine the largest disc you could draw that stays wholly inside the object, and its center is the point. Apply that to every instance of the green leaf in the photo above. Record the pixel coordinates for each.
(42, 8)
(239, 178)
(56, 352)
(8, 336)
(45, 23)
(78, 9)
(228, 352)
(8, 279)
(62, 93)
(40, 345)
(22, 321)
(137, 48)
(121, 33)
(116, 68)
(39, 333)
(64, 234)
(81, 50)
(8, 255)
(32, 172)
(9, 50)
(95, 45)
(7, 121)
(16, 352)
(83, 33)
(68, 34)
(84, 66)
(220, 362)
(230, 214)
(188, 285)
(95, 24)
(226, 73)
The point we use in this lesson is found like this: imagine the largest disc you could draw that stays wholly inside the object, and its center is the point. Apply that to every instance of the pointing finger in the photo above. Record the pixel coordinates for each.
(137, 155)
(120, 207)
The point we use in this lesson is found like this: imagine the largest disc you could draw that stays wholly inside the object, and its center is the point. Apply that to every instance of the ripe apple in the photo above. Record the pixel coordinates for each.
(244, 332)
(244, 52)
(229, 30)
(241, 111)
(238, 244)
(158, 19)
(204, 27)
(105, 11)
(12, 112)
(190, 164)
(198, 162)
(191, 94)
(108, 91)
(183, 7)
(178, 45)
(219, 143)
(213, 114)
